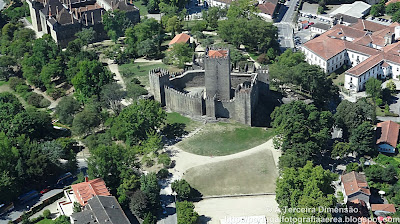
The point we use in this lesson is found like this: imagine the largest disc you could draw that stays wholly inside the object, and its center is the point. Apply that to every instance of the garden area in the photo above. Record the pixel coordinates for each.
(219, 139)
(176, 118)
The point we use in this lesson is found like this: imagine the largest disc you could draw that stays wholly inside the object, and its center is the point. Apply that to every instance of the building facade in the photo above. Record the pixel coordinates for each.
(62, 19)
(369, 49)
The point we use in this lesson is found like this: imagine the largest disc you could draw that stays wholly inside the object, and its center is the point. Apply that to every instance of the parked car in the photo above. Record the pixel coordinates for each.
(45, 190)
(306, 27)
(372, 18)
(312, 23)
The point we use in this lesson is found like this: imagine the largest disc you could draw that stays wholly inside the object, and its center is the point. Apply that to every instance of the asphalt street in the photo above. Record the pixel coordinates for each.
(284, 24)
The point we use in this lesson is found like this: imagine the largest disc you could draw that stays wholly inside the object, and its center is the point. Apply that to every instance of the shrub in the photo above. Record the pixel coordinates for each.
(379, 101)
(46, 214)
(164, 159)
(263, 59)
(352, 167)
(14, 82)
(35, 99)
(146, 160)
(44, 103)
(163, 173)
(56, 93)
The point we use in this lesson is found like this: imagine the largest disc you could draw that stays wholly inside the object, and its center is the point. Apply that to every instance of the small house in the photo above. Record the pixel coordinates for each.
(387, 135)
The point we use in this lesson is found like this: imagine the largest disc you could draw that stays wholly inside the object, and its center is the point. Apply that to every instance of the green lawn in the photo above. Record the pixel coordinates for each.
(29, 19)
(255, 173)
(219, 139)
(140, 70)
(175, 117)
(46, 221)
(339, 80)
(2, 83)
(142, 8)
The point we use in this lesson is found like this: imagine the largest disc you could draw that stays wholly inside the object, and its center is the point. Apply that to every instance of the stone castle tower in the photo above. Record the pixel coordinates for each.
(217, 66)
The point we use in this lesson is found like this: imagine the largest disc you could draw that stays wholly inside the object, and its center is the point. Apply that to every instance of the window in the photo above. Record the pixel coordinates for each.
(352, 55)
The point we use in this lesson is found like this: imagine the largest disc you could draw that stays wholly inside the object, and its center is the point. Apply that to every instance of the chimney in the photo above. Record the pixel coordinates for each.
(72, 18)
(86, 179)
(112, 6)
(57, 10)
(76, 12)
(86, 19)
(92, 19)
(101, 12)
(49, 11)
(80, 13)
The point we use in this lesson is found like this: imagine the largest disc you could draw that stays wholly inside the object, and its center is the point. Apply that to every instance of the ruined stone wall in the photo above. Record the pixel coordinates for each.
(225, 109)
(183, 103)
(192, 78)
(210, 107)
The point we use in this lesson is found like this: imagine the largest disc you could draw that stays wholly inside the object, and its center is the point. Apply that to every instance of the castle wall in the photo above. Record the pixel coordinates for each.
(183, 103)
(263, 82)
(34, 8)
(239, 79)
(225, 109)
(159, 78)
(193, 78)
(210, 107)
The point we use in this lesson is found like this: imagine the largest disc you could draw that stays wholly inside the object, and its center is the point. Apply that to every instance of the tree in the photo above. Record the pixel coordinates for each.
(199, 26)
(392, 8)
(241, 9)
(115, 23)
(373, 88)
(150, 218)
(66, 109)
(139, 204)
(152, 6)
(149, 186)
(391, 86)
(182, 189)
(90, 78)
(62, 219)
(185, 212)
(179, 54)
(341, 149)
(377, 10)
(211, 16)
(32, 123)
(362, 139)
(77, 207)
(396, 17)
(85, 121)
(378, 173)
(134, 90)
(139, 119)
(6, 64)
(86, 36)
(111, 95)
(305, 187)
(173, 25)
(147, 48)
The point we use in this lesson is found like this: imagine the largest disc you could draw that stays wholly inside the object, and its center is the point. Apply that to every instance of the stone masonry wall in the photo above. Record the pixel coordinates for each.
(191, 78)
(183, 103)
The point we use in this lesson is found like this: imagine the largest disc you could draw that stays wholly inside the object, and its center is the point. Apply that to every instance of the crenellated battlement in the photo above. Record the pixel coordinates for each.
(195, 96)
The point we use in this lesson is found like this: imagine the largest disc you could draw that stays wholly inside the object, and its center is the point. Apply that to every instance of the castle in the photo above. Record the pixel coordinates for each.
(208, 91)
(62, 19)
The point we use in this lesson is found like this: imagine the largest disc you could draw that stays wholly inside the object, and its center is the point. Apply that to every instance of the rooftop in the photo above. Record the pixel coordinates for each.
(355, 182)
(387, 132)
(217, 53)
(356, 9)
(267, 8)
(180, 38)
(383, 207)
(86, 190)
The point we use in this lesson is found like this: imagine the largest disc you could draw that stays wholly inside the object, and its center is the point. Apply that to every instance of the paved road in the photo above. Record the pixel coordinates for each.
(285, 24)
(20, 209)
(2, 4)
(168, 201)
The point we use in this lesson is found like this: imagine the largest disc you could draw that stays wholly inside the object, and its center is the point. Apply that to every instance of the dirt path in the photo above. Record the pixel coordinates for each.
(114, 69)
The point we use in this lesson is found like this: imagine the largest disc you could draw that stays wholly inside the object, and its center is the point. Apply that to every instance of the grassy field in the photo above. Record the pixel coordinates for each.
(142, 8)
(177, 118)
(140, 70)
(2, 83)
(339, 79)
(255, 173)
(46, 221)
(219, 139)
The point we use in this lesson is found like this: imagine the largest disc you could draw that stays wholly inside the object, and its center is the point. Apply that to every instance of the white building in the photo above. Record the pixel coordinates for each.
(357, 9)
(320, 28)
(370, 49)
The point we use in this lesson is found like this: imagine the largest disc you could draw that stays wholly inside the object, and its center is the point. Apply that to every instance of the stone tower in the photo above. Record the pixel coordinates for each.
(217, 67)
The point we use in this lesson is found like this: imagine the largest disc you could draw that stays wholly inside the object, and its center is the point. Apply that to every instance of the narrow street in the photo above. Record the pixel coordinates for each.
(285, 24)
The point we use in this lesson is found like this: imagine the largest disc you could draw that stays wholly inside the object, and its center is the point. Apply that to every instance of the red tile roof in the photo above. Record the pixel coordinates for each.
(217, 53)
(180, 38)
(267, 8)
(368, 25)
(383, 207)
(387, 132)
(355, 182)
(86, 190)
(391, 1)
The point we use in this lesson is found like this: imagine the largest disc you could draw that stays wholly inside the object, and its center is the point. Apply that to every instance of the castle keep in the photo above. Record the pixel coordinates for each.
(62, 19)
(208, 91)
